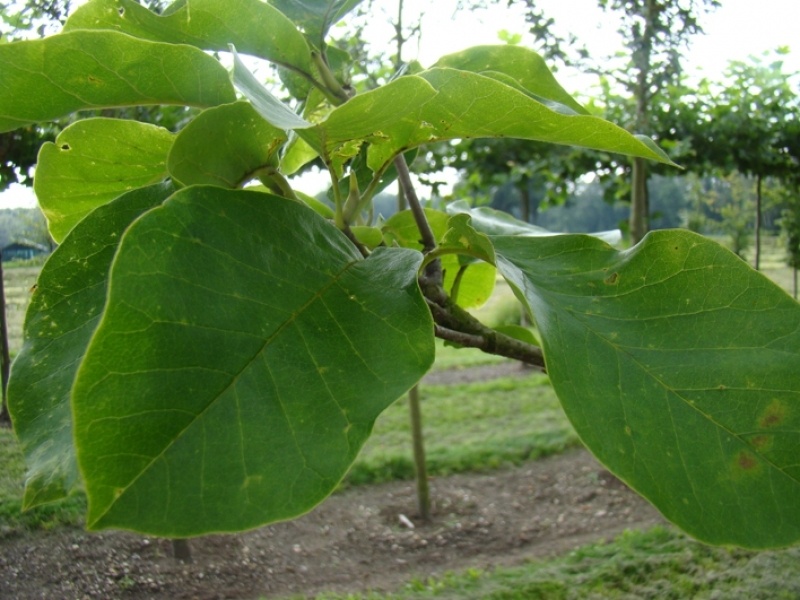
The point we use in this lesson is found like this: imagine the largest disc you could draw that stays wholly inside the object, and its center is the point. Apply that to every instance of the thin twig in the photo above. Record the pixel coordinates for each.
(427, 238)
(497, 344)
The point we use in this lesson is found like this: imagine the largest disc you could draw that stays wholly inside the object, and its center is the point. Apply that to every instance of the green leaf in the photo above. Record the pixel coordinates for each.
(253, 26)
(518, 332)
(65, 308)
(678, 366)
(55, 76)
(246, 350)
(268, 106)
(94, 161)
(316, 16)
(474, 281)
(516, 66)
(455, 104)
(318, 207)
(226, 146)
(463, 238)
(373, 116)
(496, 222)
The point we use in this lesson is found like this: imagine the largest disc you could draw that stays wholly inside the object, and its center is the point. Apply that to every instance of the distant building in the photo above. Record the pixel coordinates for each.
(23, 250)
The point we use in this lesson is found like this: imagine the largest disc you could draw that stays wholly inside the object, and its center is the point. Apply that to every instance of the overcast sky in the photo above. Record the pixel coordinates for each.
(738, 29)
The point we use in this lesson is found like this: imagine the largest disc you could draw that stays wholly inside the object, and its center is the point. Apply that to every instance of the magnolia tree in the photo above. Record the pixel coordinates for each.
(208, 348)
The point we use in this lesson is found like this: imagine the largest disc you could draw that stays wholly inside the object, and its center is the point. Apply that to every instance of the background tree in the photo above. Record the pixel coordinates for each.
(790, 225)
(638, 88)
(655, 33)
(751, 124)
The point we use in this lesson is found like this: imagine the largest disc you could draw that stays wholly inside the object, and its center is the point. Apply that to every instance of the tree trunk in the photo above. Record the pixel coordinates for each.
(420, 468)
(417, 437)
(757, 261)
(5, 357)
(181, 550)
(639, 201)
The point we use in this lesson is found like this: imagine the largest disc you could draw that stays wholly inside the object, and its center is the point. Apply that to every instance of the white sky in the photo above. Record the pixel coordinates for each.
(738, 29)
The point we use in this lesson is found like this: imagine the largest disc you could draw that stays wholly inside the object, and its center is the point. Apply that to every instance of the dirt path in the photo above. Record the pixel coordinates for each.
(358, 539)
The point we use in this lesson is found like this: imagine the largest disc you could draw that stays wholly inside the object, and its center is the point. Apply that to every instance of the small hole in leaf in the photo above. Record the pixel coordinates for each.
(121, 11)
(65, 147)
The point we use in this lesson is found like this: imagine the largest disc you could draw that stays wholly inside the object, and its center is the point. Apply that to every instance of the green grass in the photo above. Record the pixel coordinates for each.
(13, 520)
(468, 427)
(657, 564)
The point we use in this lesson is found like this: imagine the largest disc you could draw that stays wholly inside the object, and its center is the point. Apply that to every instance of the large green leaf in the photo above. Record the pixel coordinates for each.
(316, 16)
(370, 116)
(679, 367)
(516, 66)
(55, 76)
(226, 146)
(64, 311)
(468, 105)
(246, 350)
(496, 222)
(92, 162)
(253, 26)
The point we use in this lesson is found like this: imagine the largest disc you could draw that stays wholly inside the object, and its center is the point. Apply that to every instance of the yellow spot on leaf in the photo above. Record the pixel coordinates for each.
(762, 443)
(746, 463)
(774, 415)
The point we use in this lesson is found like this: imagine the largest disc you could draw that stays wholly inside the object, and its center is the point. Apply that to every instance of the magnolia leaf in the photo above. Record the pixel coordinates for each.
(368, 117)
(316, 16)
(65, 308)
(496, 222)
(401, 229)
(473, 282)
(246, 350)
(296, 154)
(102, 69)
(516, 66)
(253, 26)
(462, 237)
(518, 332)
(318, 207)
(268, 106)
(678, 366)
(458, 106)
(226, 146)
(94, 161)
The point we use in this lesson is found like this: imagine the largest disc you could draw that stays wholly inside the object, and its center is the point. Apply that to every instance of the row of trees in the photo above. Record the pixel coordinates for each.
(745, 122)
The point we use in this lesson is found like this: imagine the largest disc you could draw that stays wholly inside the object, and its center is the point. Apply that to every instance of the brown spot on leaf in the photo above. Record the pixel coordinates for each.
(746, 461)
(774, 415)
(611, 279)
(762, 442)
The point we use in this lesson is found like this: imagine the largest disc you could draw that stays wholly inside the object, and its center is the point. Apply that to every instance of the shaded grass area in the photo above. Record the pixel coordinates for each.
(69, 511)
(468, 427)
(656, 564)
